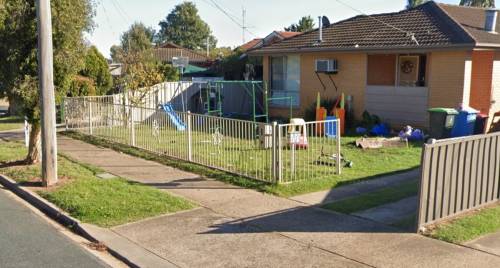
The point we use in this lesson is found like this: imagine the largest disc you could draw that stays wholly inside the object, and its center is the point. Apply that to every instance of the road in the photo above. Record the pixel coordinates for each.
(28, 240)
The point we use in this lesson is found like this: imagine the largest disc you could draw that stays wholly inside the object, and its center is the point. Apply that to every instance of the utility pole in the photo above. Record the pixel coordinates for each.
(243, 27)
(47, 96)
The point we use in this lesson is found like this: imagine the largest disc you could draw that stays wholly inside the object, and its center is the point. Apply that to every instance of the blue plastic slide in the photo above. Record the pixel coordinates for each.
(174, 117)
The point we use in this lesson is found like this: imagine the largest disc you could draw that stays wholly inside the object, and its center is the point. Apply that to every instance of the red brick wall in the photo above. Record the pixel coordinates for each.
(481, 80)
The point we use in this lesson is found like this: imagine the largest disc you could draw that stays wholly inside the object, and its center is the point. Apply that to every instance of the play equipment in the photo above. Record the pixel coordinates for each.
(219, 94)
(297, 133)
(337, 112)
(174, 117)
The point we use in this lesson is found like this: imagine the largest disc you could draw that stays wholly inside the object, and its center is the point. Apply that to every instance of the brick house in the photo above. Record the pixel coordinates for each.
(395, 65)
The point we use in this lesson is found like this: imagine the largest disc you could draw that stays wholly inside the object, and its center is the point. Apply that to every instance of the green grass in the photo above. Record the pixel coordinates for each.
(249, 157)
(90, 199)
(11, 123)
(482, 222)
(374, 199)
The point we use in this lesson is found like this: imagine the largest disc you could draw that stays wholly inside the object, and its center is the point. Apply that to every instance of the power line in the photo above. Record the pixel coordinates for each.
(120, 12)
(232, 18)
(408, 33)
(107, 19)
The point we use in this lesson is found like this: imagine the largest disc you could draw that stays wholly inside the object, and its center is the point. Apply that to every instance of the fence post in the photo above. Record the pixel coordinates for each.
(280, 162)
(90, 118)
(274, 151)
(63, 114)
(339, 157)
(189, 131)
(132, 127)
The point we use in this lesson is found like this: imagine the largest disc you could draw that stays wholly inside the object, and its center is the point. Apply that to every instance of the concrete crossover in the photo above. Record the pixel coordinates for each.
(393, 212)
(240, 227)
(347, 191)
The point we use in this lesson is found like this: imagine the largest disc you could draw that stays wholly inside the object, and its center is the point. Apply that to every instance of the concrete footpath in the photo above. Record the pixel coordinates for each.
(241, 227)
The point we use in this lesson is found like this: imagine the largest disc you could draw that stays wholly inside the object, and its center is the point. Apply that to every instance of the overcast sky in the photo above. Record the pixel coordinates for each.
(262, 16)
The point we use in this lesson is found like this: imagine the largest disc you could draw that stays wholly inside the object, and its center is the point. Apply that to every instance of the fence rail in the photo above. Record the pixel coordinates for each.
(262, 151)
(458, 175)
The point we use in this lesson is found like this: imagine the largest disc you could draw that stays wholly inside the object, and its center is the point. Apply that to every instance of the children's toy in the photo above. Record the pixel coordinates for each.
(330, 159)
(411, 134)
(380, 130)
(297, 134)
(339, 112)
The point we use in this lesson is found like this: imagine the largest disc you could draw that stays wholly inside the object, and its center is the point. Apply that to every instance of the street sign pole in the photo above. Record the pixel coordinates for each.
(47, 96)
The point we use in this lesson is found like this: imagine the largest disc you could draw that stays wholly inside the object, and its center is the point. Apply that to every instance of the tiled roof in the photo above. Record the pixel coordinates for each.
(250, 44)
(429, 23)
(169, 50)
(472, 20)
(285, 34)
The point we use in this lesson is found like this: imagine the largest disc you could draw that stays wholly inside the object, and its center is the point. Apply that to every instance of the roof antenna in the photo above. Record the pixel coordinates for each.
(413, 38)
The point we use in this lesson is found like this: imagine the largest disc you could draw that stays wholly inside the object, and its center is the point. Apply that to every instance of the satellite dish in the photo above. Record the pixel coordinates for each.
(325, 21)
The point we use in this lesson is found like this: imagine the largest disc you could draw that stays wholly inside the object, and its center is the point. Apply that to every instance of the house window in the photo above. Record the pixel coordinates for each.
(411, 70)
(382, 70)
(397, 70)
(285, 80)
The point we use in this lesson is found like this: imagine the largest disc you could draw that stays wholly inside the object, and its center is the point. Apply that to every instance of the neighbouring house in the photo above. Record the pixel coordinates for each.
(274, 37)
(252, 66)
(395, 65)
(165, 52)
(115, 69)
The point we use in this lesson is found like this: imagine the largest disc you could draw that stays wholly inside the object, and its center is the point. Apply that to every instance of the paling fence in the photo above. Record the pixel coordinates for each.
(458, 175)
(263, 151)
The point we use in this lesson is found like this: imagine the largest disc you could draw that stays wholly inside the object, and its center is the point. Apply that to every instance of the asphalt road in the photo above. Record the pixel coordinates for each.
(27, 240)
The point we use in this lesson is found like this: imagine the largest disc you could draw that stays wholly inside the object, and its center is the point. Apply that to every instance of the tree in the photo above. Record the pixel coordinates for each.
(478, 3)
(415, 3)
(305, 24)
(140, 69)
(137, 38)
(140, 73)
(96, 70)
(18, 54)
(184, 27)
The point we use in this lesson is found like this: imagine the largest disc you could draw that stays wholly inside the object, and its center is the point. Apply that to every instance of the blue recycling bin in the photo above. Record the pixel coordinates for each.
(464, 123)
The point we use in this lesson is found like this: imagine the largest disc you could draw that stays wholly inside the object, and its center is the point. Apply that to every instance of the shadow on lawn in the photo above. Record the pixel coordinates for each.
(13, 164)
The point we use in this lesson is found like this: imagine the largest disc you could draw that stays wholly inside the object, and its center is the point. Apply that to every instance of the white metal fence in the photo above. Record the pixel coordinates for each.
(267, 152)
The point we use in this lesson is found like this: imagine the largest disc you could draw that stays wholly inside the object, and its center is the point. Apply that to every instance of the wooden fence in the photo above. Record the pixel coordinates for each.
(458, 175)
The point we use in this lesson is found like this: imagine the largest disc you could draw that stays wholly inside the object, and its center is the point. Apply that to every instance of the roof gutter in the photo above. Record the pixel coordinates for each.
(262, 52)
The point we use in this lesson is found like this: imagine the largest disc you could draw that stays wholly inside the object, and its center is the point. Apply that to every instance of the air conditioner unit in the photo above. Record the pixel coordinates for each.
(327, 66)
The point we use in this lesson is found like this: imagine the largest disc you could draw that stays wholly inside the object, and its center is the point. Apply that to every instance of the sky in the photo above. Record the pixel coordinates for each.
(113, 17)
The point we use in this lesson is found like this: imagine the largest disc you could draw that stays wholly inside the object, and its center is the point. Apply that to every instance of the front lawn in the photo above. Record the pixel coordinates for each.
(368, 164)
(104, 202)
(466, 228)
(11, 123)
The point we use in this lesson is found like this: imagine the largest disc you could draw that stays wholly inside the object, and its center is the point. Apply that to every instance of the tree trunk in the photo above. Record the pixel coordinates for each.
(34, 144)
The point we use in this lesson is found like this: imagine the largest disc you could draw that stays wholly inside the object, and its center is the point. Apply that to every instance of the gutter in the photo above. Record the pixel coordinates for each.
(264, 52)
